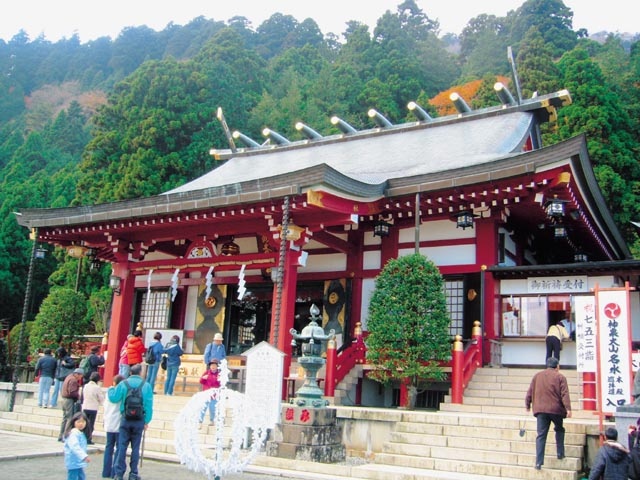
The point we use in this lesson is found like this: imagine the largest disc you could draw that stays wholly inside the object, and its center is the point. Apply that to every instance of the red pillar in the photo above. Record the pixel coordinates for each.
(487, 255)
(457, 362)
(287, 305)
(330, 375)
(120, 319)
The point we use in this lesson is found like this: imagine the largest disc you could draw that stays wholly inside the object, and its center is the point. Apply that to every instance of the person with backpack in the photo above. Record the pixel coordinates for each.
(136, 407)
(91, 363)
(174, 351)
(215, 350)
(612, 459)
(153, 358)
(65, 365)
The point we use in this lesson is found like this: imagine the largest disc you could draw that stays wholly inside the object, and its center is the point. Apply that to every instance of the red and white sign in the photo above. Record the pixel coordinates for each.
(614, 348)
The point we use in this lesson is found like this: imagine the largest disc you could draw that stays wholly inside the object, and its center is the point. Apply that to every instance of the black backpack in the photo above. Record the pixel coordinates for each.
(133, 404)
(150, 356)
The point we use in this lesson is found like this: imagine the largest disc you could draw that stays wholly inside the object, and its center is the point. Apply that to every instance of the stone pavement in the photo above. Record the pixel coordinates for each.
(33, 457)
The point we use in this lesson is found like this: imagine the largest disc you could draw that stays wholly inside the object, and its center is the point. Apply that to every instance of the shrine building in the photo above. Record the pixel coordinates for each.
(518, 231)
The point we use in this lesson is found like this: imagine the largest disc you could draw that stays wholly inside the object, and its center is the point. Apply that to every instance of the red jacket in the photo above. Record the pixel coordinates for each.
(135, 350)
(210, 379)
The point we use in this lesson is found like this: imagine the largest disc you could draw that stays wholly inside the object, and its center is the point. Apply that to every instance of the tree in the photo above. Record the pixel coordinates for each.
(62, 316)
(408, 323)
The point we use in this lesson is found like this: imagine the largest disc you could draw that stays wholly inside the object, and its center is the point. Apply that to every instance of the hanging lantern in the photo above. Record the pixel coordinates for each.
(230, 248)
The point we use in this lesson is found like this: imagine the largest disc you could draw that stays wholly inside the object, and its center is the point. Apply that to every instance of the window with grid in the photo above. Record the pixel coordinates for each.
(454, 292)
(154, 309)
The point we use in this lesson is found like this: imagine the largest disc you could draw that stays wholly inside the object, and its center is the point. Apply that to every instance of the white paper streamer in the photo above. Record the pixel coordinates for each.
(241, 283)
(149, 285)
(232, 459)
(209, 282)
(174, 284)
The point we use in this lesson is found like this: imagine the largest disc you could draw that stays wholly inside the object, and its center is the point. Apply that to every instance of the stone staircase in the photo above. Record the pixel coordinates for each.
(478, 440)
(345, 392)
(481, 437)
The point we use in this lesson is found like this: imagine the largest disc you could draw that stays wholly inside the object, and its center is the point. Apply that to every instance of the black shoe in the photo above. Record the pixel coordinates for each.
(538, 467)
(560, 457)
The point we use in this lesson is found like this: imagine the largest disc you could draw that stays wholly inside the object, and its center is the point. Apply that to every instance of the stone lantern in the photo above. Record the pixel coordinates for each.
(310, 340)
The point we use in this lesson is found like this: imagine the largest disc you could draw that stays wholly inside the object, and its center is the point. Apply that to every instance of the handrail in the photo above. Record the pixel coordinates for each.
(465, 362)
(339, 364)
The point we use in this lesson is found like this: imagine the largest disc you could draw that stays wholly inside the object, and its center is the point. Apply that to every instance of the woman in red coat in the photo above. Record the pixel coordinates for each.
(135, 348)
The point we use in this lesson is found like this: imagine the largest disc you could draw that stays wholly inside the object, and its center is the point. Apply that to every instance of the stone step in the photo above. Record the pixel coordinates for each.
(465, 469)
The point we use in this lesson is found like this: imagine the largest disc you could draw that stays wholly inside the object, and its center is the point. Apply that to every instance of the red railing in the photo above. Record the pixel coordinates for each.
(340, 364)
(465, 362)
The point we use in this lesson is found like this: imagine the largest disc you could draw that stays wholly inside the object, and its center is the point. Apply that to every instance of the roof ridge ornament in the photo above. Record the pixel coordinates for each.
(504, 94)
(459, 103)
(275, 136)
(342, 125)
(249, 142)
(419, 112)
(380, 119)
(309, 132)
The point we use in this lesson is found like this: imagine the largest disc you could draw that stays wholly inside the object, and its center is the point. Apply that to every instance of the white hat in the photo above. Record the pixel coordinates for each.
(217, 336)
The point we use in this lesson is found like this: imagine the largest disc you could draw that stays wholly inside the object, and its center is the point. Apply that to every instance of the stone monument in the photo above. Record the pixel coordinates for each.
(308, 429)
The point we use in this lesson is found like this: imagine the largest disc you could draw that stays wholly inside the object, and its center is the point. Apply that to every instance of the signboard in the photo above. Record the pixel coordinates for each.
(551, 285)
(614, 349)
(263, 388)
(584, 309)
(166, 336)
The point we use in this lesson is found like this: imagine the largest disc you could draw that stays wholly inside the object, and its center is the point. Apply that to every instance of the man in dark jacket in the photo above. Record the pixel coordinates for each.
(45, 370)
(549, 395)
(95, 360)
(612, 460)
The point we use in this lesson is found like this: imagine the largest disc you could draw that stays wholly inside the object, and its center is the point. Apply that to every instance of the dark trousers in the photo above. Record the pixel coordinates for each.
(553, 347)
(67, 413)
(91, 417)
(130, 434)
(543, 423)
(107, 462)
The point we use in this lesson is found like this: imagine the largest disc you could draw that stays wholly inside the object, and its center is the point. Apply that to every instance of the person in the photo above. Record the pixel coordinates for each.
(92, 398)
(612, 460)
(45, 370)
(215, 350)
(209, 380)
(123, 362)
(130, 432)
(70, 394)
(64, 366)
(152, 370)
(635, 393)
(555, 336)
(95, 360)
(569, 326)
(75, 447)
(173, 350)
(548, 396)
(111, 418)
(135, 348)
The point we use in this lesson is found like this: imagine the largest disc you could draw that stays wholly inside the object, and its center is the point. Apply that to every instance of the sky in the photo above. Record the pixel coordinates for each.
(91, 19)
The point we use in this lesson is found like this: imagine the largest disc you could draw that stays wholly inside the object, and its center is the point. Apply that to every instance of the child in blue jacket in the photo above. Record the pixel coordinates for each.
(75, 447)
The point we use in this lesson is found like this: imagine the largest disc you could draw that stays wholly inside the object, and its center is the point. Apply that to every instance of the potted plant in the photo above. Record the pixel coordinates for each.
(408, 324)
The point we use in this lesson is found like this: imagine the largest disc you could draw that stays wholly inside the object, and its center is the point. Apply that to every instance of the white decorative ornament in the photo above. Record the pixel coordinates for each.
(209, 282)
(149, 285)
(241, 283)
(174, 284)
(232, 459)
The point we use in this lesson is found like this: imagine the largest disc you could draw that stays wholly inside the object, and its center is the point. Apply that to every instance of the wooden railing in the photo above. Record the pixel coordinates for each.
(464, 362)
